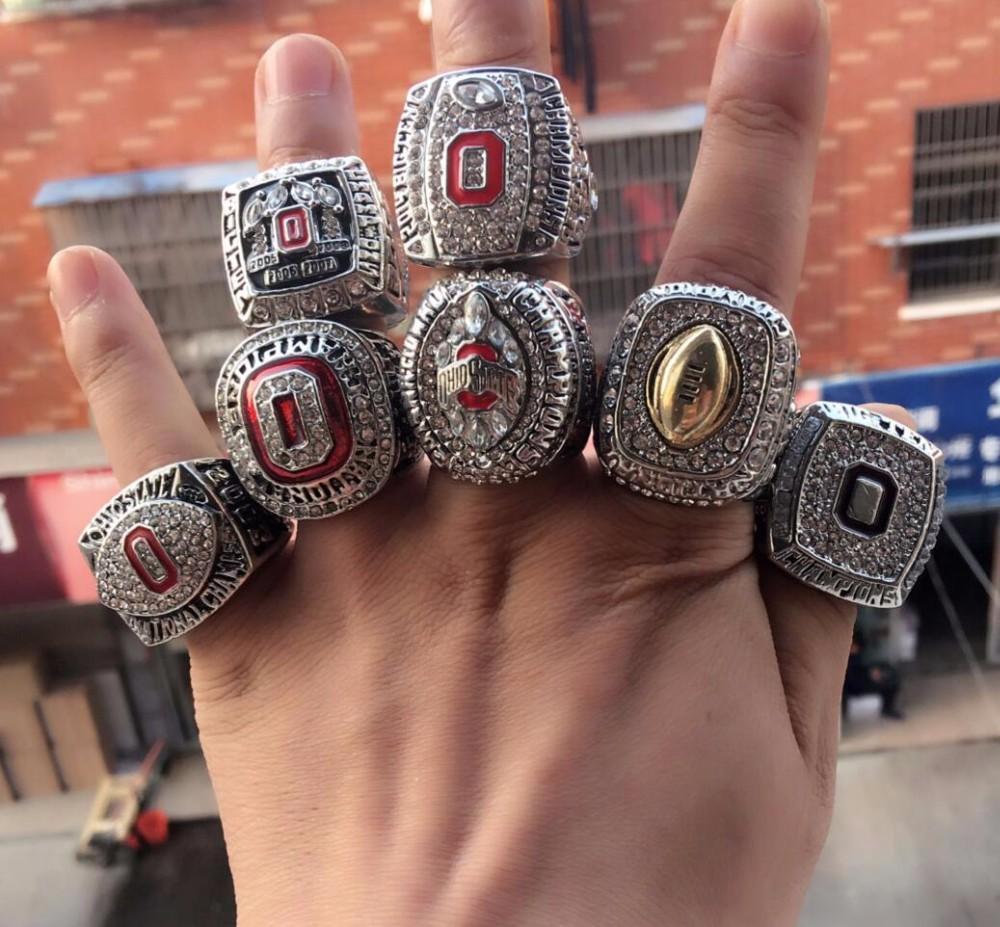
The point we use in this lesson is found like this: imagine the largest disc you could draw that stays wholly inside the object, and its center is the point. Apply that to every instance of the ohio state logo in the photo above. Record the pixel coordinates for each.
(153, 566)
(476, 165)
(481, 374)
(297, 420)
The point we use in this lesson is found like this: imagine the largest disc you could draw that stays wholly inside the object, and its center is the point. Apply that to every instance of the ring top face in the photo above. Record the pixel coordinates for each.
(157, 558)
(311, 240)
(171, 548)
(696, 399)
(857, 504)
(489, 165)
(496, 376)
(305, 412)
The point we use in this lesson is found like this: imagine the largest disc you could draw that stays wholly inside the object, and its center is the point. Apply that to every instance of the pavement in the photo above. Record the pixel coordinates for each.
(914, 841)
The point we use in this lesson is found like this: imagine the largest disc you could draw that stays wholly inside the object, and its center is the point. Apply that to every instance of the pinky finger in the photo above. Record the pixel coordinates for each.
(141, 408)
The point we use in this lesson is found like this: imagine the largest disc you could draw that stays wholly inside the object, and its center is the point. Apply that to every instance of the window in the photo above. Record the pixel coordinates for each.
(955, 245)
(643, 164)
(163, 227)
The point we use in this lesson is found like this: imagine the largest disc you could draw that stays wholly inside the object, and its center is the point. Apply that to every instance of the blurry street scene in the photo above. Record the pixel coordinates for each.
(121, 121)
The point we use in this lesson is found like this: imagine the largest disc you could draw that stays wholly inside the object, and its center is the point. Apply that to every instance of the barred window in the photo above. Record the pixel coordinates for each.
(163, 227)
(956, 201)
(643, 164)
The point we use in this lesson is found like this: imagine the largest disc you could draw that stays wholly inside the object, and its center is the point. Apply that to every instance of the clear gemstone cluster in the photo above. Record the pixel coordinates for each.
(537, 379)
(359, 371)
(188, 534)
(547, 192)
(806, 534)
(171, 548)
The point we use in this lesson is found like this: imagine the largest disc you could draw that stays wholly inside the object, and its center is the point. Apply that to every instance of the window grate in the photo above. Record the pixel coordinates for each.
(168, 244)
(642, 181)
(956, 182)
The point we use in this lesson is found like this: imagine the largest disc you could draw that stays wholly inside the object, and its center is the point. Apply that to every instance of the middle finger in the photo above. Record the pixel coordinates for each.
(304, 102)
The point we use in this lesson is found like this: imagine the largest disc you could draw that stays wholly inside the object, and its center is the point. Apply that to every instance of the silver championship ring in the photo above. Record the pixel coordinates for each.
(856, 504)
(489, 167)
(312, 241)
(498, 375)
(306, 412)
(696, 401)
(171, 548)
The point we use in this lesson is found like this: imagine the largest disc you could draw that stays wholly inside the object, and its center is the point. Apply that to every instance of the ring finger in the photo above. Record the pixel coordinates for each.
(745, 218)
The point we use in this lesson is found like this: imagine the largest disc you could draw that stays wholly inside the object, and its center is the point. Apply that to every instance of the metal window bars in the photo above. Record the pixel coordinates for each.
(956, 183)
(168, 244)
(642, 180)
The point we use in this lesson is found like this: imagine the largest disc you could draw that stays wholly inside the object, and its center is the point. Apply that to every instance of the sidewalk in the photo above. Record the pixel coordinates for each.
(940, 709)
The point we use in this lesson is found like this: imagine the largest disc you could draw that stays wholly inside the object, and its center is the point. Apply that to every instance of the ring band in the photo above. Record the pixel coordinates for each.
(498, 375)
(171, 548)
(306, 412)
(489, 166)
(312, 240)
(696, 401)
(856, 504)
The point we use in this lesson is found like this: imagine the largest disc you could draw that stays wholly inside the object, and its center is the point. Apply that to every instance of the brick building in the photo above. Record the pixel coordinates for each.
(903, 265)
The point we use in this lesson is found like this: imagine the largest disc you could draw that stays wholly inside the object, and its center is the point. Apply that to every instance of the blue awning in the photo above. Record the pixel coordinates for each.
(192, 178)
(957, 406)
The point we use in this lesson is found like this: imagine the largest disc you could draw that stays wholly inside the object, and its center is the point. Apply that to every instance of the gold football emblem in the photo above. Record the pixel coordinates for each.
(693, 386)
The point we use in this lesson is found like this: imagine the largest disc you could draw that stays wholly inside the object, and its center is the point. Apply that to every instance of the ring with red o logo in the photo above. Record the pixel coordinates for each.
(306, 412)
(171, 548)
(489, 166)
(498, 375)
(312, 240)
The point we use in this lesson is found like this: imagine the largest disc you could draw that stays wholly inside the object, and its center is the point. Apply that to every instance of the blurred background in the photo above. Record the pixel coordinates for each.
(121, 120)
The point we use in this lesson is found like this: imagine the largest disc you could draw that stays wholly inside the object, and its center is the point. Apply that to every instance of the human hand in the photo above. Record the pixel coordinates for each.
(548, 703)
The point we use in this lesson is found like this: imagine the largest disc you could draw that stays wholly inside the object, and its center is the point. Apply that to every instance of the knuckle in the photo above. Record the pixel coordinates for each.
(754, 123)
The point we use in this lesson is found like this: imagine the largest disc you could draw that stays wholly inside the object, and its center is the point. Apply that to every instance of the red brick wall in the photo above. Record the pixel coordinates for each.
(128, 91)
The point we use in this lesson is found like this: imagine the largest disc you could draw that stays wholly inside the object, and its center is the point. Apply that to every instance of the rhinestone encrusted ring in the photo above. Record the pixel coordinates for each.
(489, 167)
(310, 413)
(856, 504)
(498, 375)
(312, 240)
(696, 401)
(171, 548)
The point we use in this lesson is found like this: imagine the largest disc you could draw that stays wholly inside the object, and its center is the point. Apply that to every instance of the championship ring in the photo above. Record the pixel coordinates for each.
(312, 241)
(498, 375)
(856, 504)
(171, 548)
(489, 167)
(696, 401)
(305, 410)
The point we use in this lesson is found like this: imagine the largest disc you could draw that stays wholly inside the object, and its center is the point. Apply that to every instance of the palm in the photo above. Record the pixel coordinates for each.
(554, 702)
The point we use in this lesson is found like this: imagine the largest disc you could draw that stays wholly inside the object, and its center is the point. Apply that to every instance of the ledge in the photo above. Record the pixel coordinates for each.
(939, 236)
(946, 308)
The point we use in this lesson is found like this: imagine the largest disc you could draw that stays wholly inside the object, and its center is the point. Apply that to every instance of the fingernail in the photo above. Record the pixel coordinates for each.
(74, 282)
(778, 27)
(297, 66)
